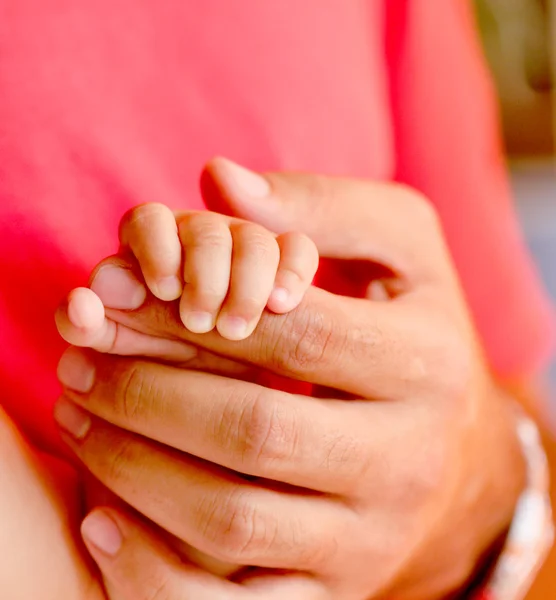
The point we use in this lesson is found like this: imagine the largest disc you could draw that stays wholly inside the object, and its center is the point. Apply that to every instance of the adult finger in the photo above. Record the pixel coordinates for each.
(138, 566)
(374, 350)
(206, 506)
(370, 349)
(346, 218)
(150, 232)
(81, 321)
(327, 445)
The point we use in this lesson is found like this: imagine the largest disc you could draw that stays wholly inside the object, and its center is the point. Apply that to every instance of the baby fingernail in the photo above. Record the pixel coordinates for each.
(85, 310)
(169, 288)
(233, 328)
(102, 532)
(71, 418)
(118, 288)
(280, 295)
(198, 322)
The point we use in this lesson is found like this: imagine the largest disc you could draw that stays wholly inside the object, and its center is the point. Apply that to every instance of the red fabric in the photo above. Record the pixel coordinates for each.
(108, 103)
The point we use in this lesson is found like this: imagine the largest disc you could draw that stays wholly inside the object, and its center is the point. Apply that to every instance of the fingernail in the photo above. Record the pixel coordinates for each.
(280, 295)
(118, 288)
(169, 288)
(246, 181)
(76, 371)
(85, 310)
(232, 328)
(102, 532)
(198, 322)
(71, 418)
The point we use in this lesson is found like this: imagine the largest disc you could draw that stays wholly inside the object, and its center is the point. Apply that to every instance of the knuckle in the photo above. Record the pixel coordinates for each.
(235, 527)
(309, 341)
(156, 586)
(134, 393)
(205, 229)
(256, 242)
(117, 464)
(346, 455)
(318, 189)
(268, 432)
(139, 217)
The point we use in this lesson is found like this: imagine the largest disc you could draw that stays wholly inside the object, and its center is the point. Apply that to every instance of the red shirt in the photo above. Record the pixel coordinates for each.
(108, 103)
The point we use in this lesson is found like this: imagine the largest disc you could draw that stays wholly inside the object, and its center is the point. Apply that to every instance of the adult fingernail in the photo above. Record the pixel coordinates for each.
(118, 288)
(71, 418)
(169, 288)
(198, 322)
(102, 532)
(232, 328)
(246, 181)
(76, 371)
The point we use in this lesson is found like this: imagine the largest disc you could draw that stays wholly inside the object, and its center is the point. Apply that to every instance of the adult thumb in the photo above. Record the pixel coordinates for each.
(346, 218)
(233, 190)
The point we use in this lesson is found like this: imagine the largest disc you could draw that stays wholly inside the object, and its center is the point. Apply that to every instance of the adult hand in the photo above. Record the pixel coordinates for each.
(395, 485)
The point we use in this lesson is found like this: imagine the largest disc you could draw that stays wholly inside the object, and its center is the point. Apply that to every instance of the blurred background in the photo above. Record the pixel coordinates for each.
(519, 38)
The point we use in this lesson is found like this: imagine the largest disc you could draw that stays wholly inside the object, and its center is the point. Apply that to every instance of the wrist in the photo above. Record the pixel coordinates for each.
(499, 471)
(503, 481)
(479, 510)
(531, 535)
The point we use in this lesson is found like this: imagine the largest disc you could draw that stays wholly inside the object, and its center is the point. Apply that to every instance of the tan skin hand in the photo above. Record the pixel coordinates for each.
(409, 463)
(222, 270)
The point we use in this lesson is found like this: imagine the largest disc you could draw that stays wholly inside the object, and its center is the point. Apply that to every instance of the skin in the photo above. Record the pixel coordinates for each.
(42, 554)
(232, 271)
(43, 500)
(408, 463)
